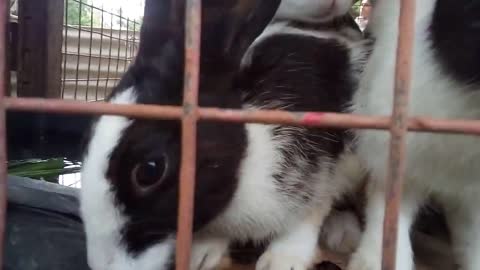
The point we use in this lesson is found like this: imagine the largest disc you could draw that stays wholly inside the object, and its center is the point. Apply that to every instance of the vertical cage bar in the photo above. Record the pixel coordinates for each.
(99, 71)
(89, 54)
(398, 130)
(10, 48)
(109, 57)
(40, 48)
(4, 11)
(134, 43)
(119, 44)
(127, 42)
(189, 132)
(77, 70)
(65, 44)
(54, 40)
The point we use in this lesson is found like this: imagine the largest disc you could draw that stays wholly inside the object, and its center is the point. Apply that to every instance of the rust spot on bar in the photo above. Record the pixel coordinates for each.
(187, 108)
(398, 130)
(3, 132)
(334, 120)
(189, 133)
(309, 118)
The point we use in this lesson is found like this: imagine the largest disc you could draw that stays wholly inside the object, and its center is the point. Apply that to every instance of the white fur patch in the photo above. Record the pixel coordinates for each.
(259, 210)
(256, 210)
(101, 218)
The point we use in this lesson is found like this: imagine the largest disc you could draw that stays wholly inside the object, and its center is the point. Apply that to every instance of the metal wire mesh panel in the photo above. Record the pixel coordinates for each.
(98, 45)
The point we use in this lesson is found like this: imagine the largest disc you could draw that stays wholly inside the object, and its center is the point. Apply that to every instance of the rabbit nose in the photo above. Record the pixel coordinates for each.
(149, 174)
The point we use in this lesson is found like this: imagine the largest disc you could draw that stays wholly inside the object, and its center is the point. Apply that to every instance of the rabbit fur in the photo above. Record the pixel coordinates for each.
(253, 182)
(445, 84)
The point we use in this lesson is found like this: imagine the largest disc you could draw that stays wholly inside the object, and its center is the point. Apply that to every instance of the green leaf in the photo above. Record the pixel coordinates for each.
(46, 169)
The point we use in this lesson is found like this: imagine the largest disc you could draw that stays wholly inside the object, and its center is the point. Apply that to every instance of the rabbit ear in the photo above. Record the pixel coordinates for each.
(162, 22)
(230, 27)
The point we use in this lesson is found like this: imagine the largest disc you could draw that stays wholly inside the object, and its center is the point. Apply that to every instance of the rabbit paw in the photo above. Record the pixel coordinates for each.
(291, 252)
(282, 261)
(207, 254)
(341, 232)
(361, 261)
(296, 249)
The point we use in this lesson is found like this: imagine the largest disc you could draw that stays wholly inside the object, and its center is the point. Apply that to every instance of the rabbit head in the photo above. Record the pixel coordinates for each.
(131, 167)
(313, 11)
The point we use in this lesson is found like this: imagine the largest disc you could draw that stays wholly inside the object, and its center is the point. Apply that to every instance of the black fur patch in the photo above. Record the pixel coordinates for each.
(455, 35)
(299, 73)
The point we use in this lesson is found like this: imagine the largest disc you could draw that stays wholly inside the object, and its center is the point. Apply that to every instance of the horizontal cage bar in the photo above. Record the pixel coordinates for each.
(318, 119)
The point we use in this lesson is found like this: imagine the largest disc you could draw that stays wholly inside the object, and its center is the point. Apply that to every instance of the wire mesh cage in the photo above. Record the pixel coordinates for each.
(92, 46)
(120, 48)
(98, 46)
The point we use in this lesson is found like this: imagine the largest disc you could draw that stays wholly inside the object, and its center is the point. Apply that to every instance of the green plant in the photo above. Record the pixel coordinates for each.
(46, 169)
(79, 13)
(355, 11)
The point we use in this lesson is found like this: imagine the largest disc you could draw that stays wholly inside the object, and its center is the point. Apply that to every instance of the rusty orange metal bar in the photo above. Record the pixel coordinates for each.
(314, 119)
(94, 108)
(4, 11)
(193, 16)
(398, 130)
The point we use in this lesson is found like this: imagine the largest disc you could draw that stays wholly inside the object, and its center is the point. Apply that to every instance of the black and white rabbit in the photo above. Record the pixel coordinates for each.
(445, 84)
(254, 182)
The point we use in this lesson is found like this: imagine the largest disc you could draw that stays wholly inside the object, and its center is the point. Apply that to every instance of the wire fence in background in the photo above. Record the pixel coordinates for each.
(98, 46)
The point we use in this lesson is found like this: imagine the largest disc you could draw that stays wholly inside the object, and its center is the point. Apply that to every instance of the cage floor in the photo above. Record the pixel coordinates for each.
(432, 252)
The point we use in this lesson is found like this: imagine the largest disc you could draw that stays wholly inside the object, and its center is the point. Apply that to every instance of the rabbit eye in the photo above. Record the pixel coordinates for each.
(149, 173)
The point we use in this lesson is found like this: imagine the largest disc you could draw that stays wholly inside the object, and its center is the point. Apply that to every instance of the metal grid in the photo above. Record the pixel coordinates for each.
(97, 49)
(190, 113)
